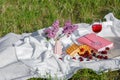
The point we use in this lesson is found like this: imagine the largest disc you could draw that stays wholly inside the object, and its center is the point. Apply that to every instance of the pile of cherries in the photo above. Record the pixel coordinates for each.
(99, 55)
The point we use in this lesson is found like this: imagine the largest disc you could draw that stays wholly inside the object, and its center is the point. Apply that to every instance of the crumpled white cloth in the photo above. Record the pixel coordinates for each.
(31, 55)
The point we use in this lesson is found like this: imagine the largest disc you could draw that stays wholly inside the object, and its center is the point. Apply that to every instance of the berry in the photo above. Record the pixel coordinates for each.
(105, 57)
(86, 53)
(60, 58)
(107, 48)
(92, 51)
(104, 52)
(81, 59)
(94, 54)
(90, 57)
(74, 58)
(82, 49)
(98, 56)
(101, 57)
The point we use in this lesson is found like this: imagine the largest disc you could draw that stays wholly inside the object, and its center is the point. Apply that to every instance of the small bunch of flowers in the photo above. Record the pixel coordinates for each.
(51, 32)
(68, 29)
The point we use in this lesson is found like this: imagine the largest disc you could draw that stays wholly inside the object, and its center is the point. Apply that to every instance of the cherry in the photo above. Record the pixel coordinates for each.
(60, 58)
(74, 58)
(105, 57)
(98, 56)
(104, 52)
(82, 49)
(86, 54)
(81, 59)
(90, 57)
(101, 57)
(92, 51)
(107, 48)
(94, 54)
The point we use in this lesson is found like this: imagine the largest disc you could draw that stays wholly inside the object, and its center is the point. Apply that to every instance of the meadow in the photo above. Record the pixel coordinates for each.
(24, 16)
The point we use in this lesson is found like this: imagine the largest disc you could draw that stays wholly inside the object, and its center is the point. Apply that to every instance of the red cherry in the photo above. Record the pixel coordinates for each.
(105, 57)
(92, 51)
(101, 57)
(74, 58)
(107, 48)
(94, 54)
(98, 56)
(60, 58)
(90, 57)
(82, 49)
(104, 52)
(86, 53)
(81, 59)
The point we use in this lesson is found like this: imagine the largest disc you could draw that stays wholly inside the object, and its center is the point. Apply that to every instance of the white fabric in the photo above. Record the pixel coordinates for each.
(31, 55)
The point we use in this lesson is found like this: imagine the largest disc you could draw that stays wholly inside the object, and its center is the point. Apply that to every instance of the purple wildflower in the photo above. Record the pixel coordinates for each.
(69, 28)
(55, 24)
(51, 35)
(51, 32)
(68, 23)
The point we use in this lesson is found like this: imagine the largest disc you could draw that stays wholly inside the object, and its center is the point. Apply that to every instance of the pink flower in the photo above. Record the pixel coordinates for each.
(67, 29)
(56, 24)
(68, 23)
(51, 32)
(48, 30)
(51, 35)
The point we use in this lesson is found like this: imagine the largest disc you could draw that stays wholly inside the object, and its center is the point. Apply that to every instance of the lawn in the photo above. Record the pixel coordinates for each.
(23, 16)
(88, 74)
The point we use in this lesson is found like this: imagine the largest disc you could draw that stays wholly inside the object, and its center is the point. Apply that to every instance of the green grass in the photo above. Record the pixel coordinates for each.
(21, 16)
(88, 74)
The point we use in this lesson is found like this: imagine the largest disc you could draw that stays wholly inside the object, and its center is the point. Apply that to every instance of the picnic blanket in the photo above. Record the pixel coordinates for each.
(27, 55)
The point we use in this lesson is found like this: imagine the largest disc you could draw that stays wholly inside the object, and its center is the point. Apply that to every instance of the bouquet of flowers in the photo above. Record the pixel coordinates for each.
(68, 29)
(51, 32)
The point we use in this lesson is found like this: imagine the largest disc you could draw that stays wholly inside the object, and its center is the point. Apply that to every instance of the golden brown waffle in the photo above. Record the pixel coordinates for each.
(73, 49)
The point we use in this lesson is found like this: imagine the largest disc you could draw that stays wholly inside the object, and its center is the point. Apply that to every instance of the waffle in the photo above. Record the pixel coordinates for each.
(73, 50)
